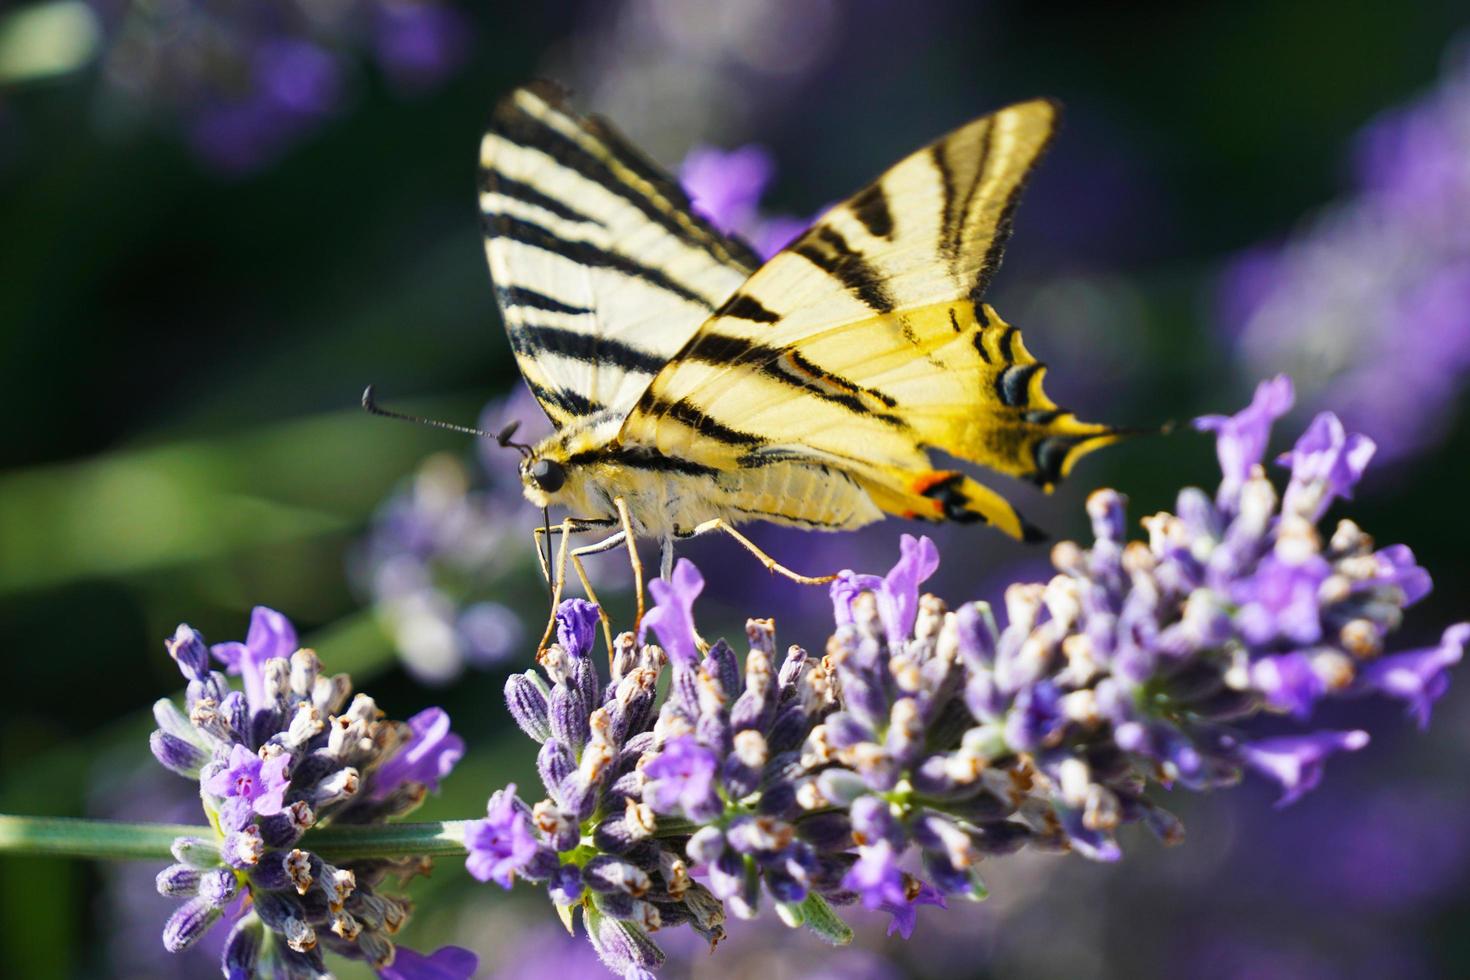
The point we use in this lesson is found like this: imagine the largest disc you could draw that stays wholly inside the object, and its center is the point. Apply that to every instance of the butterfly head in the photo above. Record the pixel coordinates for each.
(543, 478)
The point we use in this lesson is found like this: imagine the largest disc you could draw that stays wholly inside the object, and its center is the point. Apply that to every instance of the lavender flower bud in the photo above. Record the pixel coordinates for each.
(178, 881)
(706, 846)
(241, 956)
(189, 921)
(555, 763)
(568, 715)
(606, 873)
(176, 754)
(187, 649)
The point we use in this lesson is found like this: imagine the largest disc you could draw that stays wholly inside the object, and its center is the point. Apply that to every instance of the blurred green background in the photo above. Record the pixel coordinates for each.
(185, 341)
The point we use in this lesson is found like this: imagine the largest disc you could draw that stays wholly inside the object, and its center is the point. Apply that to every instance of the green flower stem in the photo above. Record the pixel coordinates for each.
(111, 840)
(442, 839)
(99, 839)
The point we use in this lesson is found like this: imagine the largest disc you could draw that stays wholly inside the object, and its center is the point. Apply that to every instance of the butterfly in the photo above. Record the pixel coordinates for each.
(693, 388)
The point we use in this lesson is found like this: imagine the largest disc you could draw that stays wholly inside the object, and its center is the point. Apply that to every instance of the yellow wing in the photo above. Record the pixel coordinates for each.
(864, 344)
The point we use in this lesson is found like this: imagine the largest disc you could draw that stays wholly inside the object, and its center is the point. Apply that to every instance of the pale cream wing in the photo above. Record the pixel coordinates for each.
(601, 269)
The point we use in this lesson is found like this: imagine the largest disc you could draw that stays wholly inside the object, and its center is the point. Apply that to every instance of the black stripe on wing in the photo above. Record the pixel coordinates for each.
(518, 126)
(825, 248)
(587, 254)
(789, 367)
(532, 340)
(570, 403)
(494, 182)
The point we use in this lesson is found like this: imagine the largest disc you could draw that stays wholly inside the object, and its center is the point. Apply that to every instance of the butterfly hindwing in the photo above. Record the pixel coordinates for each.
(864, 344)
(602, 270)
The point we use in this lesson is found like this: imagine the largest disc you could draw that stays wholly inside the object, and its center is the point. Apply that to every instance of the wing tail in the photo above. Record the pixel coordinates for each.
(988, 404)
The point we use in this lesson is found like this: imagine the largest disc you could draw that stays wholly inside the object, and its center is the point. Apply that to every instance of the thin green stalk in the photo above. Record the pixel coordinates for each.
(98, 839)
(112, 840)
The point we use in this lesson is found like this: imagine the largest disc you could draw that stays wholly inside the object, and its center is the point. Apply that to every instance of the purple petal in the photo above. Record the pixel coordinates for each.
(672, 617)
(845, 588)
(1326, 463)
(1418, 677)
(1241, 438)
(271, 635)
(898, 599)
(1297, 761)
(876, 876)
(576, 626)
(725, 186)
(445, 963)
(426, 758)
(905, 914)
(502, 844)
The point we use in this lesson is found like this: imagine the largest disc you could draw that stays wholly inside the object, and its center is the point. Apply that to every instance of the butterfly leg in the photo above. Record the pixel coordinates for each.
(666, 559)
(632, 542)
(772, 565)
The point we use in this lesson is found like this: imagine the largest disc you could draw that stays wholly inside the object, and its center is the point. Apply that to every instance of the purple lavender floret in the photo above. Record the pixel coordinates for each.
(292, 752)
(725, 186)
(928, 739)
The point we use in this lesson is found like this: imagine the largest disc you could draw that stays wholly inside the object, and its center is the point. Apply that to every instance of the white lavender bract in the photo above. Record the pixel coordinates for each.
(292, 751)
(936, 733)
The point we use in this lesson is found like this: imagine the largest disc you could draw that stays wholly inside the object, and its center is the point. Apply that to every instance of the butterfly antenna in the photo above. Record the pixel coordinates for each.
(370, 404)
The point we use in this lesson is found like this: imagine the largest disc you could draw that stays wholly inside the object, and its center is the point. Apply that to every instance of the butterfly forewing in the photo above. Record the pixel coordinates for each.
(863, 344)
(602, 270)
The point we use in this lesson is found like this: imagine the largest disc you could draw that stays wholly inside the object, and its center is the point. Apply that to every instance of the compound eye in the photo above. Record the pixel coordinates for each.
(548, 475)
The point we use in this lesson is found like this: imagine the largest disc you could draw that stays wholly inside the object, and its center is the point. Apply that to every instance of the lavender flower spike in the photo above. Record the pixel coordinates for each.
(931, 739)
(293, 754)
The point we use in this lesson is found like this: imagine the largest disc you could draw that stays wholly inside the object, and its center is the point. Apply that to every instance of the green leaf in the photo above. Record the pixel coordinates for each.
(821, 919)
(568, 916)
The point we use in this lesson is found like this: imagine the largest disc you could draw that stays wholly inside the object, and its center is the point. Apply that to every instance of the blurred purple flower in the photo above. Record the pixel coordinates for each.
(1368, 307)
(1240, 439)
(1326, 463)
(877, 878)
(1279, 600)
(726, 187)
(906, 913)
(445, 963)
(898, 598)
(1419, 677)
(435, 551)
(1297, 761)
(419, 44)
(246, 82)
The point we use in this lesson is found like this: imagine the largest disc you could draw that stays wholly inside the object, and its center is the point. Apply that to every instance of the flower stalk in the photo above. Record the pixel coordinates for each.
(113, 840)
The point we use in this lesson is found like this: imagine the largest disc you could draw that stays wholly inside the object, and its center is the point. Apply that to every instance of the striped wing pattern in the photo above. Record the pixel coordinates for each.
(864, 344)
(601, 269)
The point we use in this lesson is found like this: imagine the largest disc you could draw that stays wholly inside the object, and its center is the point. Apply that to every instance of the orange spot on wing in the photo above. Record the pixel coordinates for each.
(925, 482)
